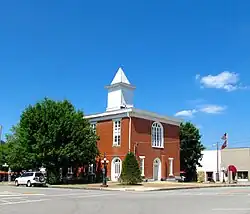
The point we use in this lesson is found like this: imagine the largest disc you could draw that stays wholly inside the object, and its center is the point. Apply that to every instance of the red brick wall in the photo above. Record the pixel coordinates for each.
(105, 144)
(141, 135)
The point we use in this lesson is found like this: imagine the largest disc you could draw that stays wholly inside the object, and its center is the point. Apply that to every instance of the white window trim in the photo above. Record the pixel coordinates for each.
(142, 158)
(93, 126)
(153, 144)
(116, 132)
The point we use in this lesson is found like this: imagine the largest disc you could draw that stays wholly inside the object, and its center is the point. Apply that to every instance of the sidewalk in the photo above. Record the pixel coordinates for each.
(149, 186)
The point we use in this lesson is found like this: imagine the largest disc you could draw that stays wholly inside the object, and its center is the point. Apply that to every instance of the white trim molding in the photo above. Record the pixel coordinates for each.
(157, 162)
(142, 165)
(116, 168)
(157, 135)
(122, 113)
(93, 126)
(117, 124)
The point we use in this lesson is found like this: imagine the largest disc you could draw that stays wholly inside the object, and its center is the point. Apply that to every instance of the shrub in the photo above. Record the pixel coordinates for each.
(131, 173)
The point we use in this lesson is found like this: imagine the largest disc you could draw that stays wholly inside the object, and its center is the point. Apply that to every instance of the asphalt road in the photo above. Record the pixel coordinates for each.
(23, 200)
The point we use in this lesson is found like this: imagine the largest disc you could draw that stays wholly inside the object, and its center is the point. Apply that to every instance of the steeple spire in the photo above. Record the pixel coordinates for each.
(120, 92)
(120, 77)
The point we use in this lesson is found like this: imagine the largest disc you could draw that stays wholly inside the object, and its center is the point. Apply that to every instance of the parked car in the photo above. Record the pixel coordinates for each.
(31, 179)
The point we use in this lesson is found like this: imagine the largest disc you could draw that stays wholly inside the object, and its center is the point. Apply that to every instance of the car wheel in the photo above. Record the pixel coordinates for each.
(41, 179)
(29, 184)
(16, 183)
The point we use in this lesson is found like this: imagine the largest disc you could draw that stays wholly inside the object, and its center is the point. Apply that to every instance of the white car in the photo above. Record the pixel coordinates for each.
(31, 179)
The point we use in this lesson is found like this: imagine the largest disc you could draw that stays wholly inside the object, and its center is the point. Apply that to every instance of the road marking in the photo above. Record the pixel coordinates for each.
(23, 202)
(231, 209)
(8, 198)
(90, 196)
(12, 195)
(77, 194)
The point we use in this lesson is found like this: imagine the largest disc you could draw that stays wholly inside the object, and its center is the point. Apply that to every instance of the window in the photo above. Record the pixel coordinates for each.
(142, 158)
(91, 168)
(93, 126)
(70, 170)
(157, 135)
(27, 174)
(242, 174)
(116, 132)
(38, 174)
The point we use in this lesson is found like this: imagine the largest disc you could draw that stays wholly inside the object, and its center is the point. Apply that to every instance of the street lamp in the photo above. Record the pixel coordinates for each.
(9, 171)
(223, 174)
(217, 162)
(104, 171)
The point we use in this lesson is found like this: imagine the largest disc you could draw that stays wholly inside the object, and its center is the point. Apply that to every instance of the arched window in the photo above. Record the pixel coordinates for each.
(157, 135)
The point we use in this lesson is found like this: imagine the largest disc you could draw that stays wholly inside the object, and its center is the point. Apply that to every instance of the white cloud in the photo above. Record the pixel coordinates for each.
(226, 80)
(208, 109)
(186, 113)
(212, 109)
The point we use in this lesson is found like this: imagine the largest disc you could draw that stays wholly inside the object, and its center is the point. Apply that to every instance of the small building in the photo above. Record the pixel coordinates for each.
(238, 158)
(229, 159)
(209, 165)
(122, 128)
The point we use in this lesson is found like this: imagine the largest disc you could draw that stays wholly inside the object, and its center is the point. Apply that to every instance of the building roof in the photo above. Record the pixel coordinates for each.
(133, 112)
(120, 77)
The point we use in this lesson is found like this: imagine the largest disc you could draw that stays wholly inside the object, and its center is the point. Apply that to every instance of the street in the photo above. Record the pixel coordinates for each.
(23, 200)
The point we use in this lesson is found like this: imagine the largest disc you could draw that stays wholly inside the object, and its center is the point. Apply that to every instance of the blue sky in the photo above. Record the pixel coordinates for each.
(191, 57)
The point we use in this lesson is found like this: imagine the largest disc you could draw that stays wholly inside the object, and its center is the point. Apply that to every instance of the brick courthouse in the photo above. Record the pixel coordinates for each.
(122, 128)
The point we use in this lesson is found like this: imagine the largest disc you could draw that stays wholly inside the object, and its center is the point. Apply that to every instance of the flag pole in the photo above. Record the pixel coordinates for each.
(217, 173)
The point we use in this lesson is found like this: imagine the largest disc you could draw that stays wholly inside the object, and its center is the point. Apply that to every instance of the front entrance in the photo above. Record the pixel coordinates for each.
(157, 169)
(116, 169)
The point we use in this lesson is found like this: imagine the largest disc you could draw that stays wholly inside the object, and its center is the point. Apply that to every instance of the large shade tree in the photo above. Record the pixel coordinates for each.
(3, 154)
(52, 134)
(191, 150)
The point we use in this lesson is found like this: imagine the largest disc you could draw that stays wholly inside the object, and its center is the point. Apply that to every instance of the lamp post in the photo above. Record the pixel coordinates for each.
(104, 171)
(9, 171)
(217, 162)
(223, 174)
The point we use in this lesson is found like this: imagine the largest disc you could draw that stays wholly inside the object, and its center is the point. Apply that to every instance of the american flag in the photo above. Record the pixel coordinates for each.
(224, 137)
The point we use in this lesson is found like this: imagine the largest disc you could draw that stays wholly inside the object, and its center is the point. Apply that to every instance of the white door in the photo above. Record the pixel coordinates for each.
(156, 169)
(116, 169)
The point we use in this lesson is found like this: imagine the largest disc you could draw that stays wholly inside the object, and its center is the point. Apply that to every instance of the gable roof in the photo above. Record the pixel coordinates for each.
(133, 112)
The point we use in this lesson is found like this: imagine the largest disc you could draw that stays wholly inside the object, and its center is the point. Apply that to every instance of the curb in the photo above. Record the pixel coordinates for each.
(142, 190)
(200, 187)
(151, 190)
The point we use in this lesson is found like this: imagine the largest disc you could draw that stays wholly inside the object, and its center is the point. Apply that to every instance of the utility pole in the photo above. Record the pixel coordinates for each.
(217, 172)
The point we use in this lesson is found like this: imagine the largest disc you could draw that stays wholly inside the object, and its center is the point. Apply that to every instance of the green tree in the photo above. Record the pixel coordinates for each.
(3, 154)
(131, 173)
(52, 134)
(190, 150)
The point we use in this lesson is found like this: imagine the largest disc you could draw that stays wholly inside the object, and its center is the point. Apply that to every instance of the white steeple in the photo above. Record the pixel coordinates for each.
(120, 77)
(120, 92)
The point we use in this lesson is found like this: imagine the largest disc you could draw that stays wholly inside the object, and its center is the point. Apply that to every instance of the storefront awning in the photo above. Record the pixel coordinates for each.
(232, 168)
